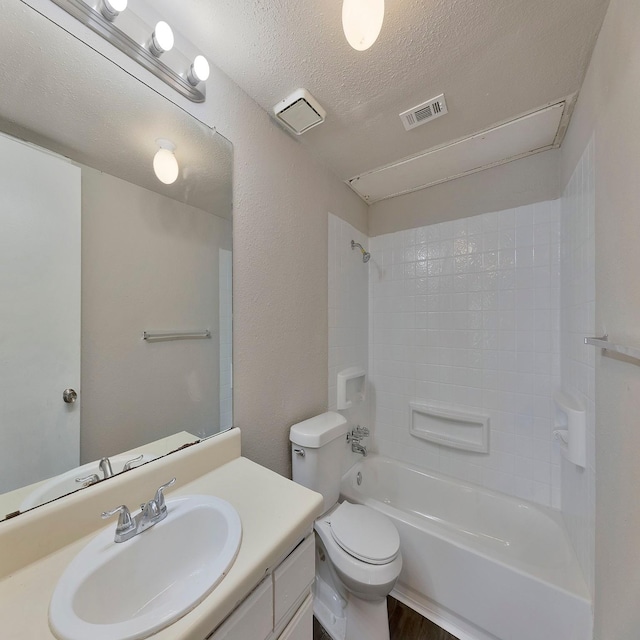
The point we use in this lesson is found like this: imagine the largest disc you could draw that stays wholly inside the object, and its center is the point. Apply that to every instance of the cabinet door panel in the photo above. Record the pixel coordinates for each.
(301, 626)
(292, 578)
(252, 620)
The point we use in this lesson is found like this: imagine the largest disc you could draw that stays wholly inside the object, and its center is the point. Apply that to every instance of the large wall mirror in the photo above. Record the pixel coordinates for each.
(95, 251)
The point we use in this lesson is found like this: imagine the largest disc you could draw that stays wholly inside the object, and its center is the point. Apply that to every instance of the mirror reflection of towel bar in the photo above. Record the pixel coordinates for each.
(157, 336)
(603, 343)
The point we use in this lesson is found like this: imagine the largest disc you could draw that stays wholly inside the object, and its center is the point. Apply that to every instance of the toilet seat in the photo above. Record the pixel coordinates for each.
(364, 533)
(364, 579)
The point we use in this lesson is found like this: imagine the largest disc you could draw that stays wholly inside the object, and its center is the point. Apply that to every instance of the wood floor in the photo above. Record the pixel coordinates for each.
(404, 624)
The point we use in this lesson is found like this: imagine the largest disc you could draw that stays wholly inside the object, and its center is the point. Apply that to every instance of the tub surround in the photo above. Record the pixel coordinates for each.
(276, 514)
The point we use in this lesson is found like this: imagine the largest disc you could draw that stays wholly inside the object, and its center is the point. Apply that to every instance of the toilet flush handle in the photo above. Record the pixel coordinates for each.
(299, 452)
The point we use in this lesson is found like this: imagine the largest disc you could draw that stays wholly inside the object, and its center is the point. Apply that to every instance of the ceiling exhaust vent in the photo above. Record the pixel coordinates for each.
(299, 112)
(425, 112)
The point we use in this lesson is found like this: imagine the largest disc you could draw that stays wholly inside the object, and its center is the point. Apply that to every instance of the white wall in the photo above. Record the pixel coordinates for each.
(348, 313)
(525, 181)
(608, 106)
(577, 364)
(465, 314)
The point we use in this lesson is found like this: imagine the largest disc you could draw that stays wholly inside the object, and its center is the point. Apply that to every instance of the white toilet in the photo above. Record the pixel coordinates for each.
(357, 549)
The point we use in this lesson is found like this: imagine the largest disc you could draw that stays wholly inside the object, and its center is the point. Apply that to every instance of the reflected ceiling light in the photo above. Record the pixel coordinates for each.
(111, 8)
(165, 164)
(161, 39)
(199, 70)
(362, 22)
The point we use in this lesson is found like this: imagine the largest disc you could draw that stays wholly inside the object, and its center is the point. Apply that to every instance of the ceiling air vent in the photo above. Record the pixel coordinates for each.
(299, 112)
(425, 112)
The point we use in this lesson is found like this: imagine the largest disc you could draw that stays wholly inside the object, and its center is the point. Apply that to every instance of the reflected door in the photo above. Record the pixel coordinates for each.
(39, 313)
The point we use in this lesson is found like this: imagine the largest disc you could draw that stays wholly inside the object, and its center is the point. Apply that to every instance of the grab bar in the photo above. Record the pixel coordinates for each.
(603, 343)
(157, 336)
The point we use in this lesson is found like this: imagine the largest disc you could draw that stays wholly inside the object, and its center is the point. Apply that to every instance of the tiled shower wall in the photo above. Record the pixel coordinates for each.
(348, 310)
(465, 314)
(578, 370)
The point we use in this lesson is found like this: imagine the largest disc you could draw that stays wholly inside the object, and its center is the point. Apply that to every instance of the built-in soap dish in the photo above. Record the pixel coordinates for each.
(350, 387)
(449, 427)
(571, 428)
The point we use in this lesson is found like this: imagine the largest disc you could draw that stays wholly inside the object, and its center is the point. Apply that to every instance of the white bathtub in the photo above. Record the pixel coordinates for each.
(480, 564)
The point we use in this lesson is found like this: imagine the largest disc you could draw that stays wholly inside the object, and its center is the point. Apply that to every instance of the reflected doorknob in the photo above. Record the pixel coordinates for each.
(69, 396)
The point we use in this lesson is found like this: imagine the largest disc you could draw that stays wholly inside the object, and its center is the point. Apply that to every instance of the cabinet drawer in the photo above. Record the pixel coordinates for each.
(252, 619)
(301, 626)
(292, 579)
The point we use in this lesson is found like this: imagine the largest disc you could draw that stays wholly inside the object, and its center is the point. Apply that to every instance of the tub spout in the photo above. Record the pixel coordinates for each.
(356, 447)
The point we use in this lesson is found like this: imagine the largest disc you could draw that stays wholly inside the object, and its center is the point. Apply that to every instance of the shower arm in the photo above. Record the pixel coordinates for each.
(365, 254)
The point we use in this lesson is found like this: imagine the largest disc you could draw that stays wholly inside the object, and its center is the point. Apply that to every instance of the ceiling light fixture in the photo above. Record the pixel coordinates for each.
(110, 9)
(362, 22)
(199, 71)
(161, 39)
(165, 165)
(129, 34)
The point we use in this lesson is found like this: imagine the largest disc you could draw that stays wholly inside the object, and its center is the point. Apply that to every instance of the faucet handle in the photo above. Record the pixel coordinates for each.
(88, 480)
(159, 499)
(129, 463)
(361, 431)
(125, 521)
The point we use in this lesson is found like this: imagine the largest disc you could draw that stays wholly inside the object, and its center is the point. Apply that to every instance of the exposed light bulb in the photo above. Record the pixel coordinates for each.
(161, 39)
(362, 21)
(165, 165)
(199, 70)
(111, 8)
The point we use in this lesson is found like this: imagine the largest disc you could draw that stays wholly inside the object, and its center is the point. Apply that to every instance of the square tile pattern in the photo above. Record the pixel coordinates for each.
(466, 315)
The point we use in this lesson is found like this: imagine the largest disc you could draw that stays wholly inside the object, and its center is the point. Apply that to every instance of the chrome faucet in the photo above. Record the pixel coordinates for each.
(105, 467)
(356, 435)
(151, 513)
(107, 471)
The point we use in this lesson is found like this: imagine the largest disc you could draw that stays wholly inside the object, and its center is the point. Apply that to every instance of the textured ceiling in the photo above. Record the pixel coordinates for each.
(494, 60)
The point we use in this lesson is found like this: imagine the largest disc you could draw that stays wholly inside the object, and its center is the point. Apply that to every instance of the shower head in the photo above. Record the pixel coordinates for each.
(365, 254)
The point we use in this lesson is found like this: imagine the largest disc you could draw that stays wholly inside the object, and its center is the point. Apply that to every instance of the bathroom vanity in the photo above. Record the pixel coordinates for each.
(266, 594)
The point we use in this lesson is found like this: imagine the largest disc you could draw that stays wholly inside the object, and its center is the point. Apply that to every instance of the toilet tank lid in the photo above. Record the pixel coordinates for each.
(319, 430)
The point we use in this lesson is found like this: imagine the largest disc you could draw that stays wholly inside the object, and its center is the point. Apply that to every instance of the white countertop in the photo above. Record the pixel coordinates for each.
(275, 512)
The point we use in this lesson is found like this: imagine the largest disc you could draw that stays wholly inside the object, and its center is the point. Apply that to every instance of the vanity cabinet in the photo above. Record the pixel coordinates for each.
(280, 607)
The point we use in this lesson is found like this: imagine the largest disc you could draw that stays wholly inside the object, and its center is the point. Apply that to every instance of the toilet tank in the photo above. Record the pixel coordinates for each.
(317, 449)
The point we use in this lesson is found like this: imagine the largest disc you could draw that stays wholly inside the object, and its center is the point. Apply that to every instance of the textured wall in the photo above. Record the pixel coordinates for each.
(280, 262)
(608, 105)
(525, 181)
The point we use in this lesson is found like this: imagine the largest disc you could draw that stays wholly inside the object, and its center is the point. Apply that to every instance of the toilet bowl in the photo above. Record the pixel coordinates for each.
(357, 549)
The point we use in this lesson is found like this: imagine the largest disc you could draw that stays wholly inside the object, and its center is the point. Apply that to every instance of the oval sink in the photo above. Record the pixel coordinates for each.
(133, 589)
(65, 483)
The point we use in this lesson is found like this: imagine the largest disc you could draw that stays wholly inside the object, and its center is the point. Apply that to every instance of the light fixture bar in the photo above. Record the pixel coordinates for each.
(107, 30)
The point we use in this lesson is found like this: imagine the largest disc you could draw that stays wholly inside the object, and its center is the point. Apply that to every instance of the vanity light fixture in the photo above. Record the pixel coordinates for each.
(111, 9)
(161, 39)
(362, 21)
(198, 71)
(181, 71)
(165, 164)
